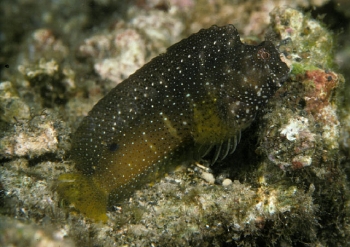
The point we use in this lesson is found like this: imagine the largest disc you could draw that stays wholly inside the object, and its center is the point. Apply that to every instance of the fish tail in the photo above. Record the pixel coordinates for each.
(84, 195)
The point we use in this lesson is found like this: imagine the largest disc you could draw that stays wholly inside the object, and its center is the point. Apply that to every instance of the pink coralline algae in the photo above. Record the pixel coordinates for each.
(319, 88)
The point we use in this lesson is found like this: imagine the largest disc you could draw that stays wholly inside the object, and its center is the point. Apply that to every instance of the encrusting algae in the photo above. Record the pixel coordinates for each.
(195, 98)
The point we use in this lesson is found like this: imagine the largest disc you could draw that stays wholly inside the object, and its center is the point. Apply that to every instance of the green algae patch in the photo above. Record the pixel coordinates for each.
(299, 69)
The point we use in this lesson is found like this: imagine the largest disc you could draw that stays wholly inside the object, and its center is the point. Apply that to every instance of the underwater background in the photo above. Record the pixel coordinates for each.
(287, 182)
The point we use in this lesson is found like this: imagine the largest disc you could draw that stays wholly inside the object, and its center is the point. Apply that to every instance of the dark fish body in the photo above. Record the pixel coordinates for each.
(198, 95)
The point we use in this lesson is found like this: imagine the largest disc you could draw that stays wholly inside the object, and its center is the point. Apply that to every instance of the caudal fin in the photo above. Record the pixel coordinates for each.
(84, 195)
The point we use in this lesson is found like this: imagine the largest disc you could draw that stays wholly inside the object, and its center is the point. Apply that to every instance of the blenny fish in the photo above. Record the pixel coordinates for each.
(195, 98)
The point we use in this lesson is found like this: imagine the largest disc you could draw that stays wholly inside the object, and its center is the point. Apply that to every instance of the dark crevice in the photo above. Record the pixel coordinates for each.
(330, 16)
(51, 157)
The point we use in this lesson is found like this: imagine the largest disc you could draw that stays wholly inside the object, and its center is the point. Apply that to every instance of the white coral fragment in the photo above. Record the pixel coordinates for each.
(296, 128)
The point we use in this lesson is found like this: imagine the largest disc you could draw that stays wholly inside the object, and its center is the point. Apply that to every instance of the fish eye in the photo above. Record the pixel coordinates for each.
(263, 54)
